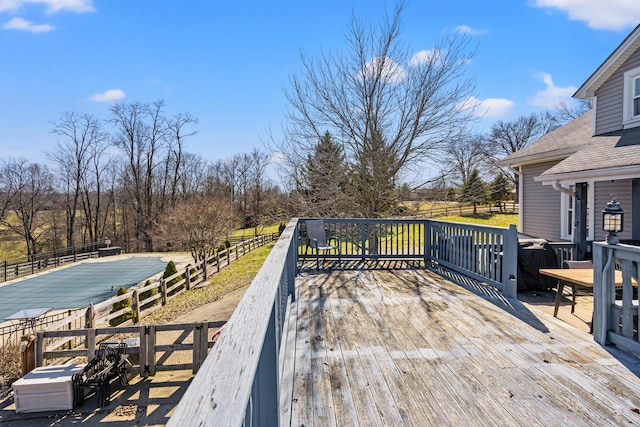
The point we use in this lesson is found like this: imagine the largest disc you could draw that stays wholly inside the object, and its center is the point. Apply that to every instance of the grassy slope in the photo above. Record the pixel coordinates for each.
(240, 273)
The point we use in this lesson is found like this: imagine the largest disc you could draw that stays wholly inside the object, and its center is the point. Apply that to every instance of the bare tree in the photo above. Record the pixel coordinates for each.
(152, 147)
(463, 155)
(28, 189)
(81, 137)
(565, 112)
(198, 224)
(379, 101)
(508, 137)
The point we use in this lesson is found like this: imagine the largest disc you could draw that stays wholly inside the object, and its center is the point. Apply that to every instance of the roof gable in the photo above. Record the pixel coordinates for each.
(623, 52)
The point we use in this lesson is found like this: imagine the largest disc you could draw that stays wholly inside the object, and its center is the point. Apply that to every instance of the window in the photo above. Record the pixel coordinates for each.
(567, 212)
(631, 107)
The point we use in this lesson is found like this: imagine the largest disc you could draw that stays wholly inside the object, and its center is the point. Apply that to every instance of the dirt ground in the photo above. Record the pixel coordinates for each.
(144, 402)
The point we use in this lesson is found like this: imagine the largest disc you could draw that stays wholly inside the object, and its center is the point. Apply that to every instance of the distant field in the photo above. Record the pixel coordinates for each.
(490, 219)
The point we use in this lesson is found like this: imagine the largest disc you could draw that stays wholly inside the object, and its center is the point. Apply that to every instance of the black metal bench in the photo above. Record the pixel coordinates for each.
(109, 363)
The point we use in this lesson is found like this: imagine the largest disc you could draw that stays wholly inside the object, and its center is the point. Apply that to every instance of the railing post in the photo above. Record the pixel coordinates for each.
(40, 349)
(600, 313)
(510, 262)
(135, 299)
(427, 242)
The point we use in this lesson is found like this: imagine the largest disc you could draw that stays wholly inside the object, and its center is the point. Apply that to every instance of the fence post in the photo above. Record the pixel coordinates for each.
(143, 352)
(89, 316)
(135, 299)
(39, 349)
(5, 270)
(510, 262)
(163, 291)
(151, 350)
(204, 269)
(91, 343)
(187, 278)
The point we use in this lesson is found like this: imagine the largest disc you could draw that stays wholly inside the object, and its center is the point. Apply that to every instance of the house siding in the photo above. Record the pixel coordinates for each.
(540, 209)
(604, 190)
(609, 108)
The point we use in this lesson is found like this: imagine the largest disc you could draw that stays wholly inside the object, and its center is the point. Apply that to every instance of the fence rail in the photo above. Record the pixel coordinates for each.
(143, 298)
(144, 342)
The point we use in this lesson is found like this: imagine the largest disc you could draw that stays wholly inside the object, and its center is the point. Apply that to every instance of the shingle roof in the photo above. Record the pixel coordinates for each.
(557, 144)
(614, 150)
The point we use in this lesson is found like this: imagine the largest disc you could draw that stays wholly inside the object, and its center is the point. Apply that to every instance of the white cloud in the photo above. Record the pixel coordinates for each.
(552, 95)
(425, 56)
(109, 95)
(52, 6)
(468, 30)
(24, 25)
(388, 69)
(487, 108)
(598, 14)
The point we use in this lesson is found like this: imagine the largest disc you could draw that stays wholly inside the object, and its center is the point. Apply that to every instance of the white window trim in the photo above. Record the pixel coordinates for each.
(627, 106)
(566, 230)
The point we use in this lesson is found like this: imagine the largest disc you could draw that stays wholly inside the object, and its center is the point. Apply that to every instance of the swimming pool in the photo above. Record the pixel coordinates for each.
(78, 285)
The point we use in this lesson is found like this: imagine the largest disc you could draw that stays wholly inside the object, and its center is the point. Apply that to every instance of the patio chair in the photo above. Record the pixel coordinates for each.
(108, 363)
(317, 240)
(562, 283)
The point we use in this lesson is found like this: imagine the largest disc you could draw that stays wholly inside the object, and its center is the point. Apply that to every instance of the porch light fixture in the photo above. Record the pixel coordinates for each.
(612, 217)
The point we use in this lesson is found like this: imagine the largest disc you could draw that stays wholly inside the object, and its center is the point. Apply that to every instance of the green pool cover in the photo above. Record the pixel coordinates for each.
(78, 285)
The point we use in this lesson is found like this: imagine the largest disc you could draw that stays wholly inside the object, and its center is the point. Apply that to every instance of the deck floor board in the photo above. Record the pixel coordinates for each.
(408, 347)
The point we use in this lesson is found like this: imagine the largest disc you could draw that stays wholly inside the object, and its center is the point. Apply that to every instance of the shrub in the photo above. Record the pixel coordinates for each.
(148, 294)
(281, 228)
(169, 271)
(119, 306)
(10, 364)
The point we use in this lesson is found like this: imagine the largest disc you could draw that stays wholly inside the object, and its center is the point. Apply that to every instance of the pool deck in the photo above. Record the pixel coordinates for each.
(408, 347)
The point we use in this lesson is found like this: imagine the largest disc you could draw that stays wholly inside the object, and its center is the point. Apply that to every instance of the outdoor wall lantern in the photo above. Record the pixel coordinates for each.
(612, 217)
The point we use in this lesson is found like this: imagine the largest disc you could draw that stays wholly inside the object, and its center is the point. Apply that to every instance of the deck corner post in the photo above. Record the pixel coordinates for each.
(510, 262)
(600, 317)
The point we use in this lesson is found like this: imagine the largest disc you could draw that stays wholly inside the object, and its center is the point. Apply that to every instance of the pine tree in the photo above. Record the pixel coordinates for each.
(474, 190)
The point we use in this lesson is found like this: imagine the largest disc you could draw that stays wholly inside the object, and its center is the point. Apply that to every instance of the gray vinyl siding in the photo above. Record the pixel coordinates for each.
(604, 189)
(610, 98)
(540, 208)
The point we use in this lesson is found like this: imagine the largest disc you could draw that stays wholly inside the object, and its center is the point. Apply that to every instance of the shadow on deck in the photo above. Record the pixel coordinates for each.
(397, 344)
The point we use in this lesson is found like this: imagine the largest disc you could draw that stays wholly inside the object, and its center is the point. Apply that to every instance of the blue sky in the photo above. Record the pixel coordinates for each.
(227, 63)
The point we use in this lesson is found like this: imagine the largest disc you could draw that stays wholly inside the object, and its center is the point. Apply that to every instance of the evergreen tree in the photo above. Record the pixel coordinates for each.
(324, 179)
(499, 190)
(474, 190)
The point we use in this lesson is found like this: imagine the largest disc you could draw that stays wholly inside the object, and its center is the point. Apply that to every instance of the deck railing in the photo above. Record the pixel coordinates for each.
(615, 308)
(239, 382)
(485, 253)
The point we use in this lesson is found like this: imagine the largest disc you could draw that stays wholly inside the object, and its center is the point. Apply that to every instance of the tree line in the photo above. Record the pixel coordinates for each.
(130, 179)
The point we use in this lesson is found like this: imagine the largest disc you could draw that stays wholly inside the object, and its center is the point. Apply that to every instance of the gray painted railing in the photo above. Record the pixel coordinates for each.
(485, 253)
(615, 309)
(239, 382)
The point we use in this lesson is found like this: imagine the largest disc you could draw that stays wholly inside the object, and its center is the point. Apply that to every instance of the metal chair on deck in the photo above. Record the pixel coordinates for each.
(318, 240)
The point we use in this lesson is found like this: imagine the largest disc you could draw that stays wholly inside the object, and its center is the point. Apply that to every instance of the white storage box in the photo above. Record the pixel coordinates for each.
(47, 388)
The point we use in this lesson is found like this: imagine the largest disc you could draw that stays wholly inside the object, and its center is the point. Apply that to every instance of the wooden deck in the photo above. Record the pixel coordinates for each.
(408, 347)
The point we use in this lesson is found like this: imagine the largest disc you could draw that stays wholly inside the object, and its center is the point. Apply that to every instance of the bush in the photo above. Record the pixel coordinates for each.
(169, 271)
(281, 228)
(119, 306)
(10, 365)
(148, 294)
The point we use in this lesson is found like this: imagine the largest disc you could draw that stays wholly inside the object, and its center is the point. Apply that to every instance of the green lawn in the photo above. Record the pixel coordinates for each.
(490, 219)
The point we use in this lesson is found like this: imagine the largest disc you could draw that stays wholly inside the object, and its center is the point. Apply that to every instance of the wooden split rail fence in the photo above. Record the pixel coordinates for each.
(150, 348)
(146, 298)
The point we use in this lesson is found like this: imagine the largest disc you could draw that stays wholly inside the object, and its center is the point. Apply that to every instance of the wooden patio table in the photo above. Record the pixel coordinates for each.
(575, 276)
